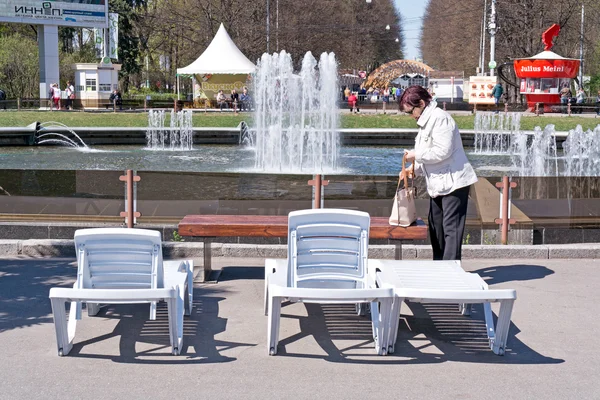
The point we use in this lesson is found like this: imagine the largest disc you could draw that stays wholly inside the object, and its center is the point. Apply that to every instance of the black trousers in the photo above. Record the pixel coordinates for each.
(447, 215)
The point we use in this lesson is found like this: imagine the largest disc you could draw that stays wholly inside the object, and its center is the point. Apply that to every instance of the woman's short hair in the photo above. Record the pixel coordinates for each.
(413, 95)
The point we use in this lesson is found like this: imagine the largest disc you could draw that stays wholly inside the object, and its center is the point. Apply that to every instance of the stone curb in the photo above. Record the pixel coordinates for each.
(65, 248)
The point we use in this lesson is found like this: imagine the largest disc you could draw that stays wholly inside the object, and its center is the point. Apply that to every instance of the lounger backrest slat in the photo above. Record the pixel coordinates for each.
(122, 259)
(328, 248)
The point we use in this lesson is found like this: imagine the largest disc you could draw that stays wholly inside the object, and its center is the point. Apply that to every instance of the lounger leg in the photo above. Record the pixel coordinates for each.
(380, 315)
(64, 340)
(465, 309)
(273, 324)
(92, 309)
(152, 310)
(502, 327)
(489, 323)
(190, 288)
(266, 298)
(394, 322)
(175, 306)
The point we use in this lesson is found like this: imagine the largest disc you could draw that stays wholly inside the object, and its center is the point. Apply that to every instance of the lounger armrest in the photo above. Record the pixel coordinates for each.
(330, 295)
(112, 296)
(276, 271)
(176, 273)
(457, 296)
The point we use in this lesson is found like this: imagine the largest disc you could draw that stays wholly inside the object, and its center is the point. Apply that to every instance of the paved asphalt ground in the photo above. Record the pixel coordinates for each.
(325, 351)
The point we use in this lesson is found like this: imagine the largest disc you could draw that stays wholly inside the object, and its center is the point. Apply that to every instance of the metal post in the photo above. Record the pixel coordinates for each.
(129, 214)
(317, 191)
(483, 44)
(481, 40)
(537, 108)
(18, 104)
(569, 107)
(505, 108)
(277, 26)
(115, 104)
(492, 27)
(444, 103)
(317, 183)
(581, 48)
(505, 219)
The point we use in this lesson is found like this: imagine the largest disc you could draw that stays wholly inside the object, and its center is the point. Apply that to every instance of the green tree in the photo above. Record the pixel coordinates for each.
(19, 66)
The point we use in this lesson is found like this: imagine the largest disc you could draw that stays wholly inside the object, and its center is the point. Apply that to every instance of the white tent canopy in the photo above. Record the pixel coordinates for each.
(220, 57)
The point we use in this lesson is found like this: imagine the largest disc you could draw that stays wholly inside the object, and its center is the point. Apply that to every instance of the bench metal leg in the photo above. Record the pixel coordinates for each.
(398, 251)
(207, 257)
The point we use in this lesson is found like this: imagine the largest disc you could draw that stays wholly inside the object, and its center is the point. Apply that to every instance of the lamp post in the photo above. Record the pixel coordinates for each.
(492, 27)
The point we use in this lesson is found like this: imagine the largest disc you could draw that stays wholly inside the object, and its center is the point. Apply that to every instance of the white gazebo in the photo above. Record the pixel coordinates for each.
(221, 66)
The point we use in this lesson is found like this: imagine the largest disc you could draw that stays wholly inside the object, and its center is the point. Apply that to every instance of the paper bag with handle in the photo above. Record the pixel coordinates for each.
(404, 211)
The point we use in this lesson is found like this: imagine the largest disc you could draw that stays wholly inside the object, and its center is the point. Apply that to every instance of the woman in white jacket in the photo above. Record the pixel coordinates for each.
(440, 157)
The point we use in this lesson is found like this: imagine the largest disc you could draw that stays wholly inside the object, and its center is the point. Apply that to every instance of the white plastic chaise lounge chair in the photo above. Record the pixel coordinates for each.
(444, 282)
(123, 266)
(327, 264)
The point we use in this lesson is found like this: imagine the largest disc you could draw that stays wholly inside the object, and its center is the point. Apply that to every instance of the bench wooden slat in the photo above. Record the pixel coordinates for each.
(276, 226)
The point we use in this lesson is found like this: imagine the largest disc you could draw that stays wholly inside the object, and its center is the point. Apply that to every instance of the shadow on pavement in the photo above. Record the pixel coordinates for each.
(233, 273)
(24, 288)
(509, 273)
(435, 333)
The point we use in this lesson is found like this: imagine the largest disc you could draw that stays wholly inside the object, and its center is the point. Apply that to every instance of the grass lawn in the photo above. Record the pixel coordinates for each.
(109, 119)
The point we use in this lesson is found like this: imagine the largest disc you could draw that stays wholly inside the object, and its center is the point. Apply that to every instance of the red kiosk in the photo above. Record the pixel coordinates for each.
(545, 74)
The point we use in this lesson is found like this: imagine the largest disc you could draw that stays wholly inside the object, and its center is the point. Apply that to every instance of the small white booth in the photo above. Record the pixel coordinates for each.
(95, 82)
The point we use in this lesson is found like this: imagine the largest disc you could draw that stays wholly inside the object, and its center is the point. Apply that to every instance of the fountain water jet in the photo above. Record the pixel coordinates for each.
(45, 131)
(296, 114)
(178, 137)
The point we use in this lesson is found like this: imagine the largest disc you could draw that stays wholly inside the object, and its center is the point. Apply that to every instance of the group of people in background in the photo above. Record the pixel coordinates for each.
(239, 102)
(373, 95)
(55, 96)
(566, 97)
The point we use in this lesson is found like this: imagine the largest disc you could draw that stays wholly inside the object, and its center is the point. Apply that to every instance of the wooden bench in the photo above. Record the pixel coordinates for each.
(209, 227)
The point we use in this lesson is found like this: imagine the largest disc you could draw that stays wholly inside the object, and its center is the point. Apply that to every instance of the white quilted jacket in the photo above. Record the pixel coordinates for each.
(439, 154)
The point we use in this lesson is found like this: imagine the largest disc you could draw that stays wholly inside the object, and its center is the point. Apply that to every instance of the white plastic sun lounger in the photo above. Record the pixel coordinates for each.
(327, 254)
(444, 282)
(123, 266)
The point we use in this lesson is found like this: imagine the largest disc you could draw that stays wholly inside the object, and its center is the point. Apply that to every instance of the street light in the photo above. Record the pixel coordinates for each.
(387, 28)
(397, 40)
(368, 1)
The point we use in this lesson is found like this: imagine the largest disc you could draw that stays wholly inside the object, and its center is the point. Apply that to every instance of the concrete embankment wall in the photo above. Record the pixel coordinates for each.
(229, 136)
(66, 248)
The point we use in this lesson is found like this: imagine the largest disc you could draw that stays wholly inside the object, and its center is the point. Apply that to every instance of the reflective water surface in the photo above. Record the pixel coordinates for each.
(216, 158)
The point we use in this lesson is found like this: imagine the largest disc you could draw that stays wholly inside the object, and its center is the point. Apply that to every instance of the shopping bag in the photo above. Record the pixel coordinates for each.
(404, 211)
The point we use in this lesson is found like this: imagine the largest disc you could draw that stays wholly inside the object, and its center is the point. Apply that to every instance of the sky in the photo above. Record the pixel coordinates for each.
(412, 13)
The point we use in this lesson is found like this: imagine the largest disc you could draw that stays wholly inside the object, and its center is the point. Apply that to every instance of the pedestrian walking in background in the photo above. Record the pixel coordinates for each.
(497, 92)
(385, 97)
(580, 100)
(55, 96)
(439, 155)
(70, 94)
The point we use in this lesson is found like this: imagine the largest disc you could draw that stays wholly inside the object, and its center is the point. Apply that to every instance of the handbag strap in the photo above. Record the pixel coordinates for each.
(412, 171)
